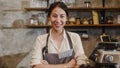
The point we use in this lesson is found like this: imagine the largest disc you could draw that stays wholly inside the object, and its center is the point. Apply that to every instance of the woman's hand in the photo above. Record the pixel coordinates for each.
(38, 65)
(77, 66)
(44, 62)
(71, 64)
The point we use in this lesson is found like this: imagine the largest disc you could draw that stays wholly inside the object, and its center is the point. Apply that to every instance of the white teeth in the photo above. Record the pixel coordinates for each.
(58, 23)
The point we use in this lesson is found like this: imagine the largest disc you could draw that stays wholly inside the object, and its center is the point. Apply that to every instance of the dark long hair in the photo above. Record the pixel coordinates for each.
(57, 4)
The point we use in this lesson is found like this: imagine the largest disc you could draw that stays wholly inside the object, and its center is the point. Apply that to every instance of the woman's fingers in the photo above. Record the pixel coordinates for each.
(44, 62)
(71, 64)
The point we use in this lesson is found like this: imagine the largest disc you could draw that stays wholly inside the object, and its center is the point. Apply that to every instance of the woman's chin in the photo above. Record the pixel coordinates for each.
(58, 29)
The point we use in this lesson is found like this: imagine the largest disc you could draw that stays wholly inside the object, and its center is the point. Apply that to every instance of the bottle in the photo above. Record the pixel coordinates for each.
(34, 20)
(87, 4)
(90, 21)
(95, 17)
(78, 21)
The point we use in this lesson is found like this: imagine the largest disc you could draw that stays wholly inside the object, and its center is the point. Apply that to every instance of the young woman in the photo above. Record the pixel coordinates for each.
(59, 48)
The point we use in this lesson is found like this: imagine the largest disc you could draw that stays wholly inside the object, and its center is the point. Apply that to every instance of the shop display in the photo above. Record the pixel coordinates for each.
(96, 18)
(38, 3)
(42, 17)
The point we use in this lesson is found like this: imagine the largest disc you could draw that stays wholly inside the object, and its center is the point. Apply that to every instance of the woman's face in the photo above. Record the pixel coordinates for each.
(58, 18)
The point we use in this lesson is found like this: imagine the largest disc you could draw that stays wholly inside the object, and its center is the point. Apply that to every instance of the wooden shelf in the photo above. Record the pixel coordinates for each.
(93, 25)
(95, 8)
(35, 9)
(77, 8)
(75, 25)
(37, 26)
(11, 27)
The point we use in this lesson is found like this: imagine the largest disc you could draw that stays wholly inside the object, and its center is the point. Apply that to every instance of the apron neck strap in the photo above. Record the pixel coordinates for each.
(45, 49)
(69, 40)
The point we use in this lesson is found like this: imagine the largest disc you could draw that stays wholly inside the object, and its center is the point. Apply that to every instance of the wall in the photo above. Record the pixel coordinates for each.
(16, 43)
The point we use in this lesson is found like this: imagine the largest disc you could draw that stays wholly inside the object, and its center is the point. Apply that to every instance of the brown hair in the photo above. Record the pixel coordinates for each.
(57, 4)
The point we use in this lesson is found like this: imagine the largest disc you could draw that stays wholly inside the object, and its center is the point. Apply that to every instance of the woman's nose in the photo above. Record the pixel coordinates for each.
(58, 19)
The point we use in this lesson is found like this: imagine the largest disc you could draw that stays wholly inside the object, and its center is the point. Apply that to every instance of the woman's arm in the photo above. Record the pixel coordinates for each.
(50, 66)
(79, 51)
(70, 64)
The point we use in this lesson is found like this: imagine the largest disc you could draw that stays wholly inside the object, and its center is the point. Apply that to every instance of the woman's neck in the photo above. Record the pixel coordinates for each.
(57, 37)
(57, 33)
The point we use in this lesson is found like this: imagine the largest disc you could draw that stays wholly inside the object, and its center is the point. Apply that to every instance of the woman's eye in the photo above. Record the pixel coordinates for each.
(54, 15)
(61, 16)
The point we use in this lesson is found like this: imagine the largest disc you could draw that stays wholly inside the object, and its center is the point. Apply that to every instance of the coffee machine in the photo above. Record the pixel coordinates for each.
(106, 54)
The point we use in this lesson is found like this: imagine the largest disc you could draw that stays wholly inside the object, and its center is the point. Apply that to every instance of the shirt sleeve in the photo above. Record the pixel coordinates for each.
(37, 52)
(79, 51)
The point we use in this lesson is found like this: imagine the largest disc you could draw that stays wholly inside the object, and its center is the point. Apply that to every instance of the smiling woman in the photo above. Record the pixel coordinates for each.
(59, 48)
(58, 19)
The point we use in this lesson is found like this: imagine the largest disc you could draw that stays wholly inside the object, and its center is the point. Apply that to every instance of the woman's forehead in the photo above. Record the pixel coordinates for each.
(58, 10)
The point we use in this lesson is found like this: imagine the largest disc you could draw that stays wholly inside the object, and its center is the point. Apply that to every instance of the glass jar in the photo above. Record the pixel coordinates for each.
(87, 4)
(109, 20)
(34, 20)
(43, 3)
(32, 3)
(78, 21)
(85, 21)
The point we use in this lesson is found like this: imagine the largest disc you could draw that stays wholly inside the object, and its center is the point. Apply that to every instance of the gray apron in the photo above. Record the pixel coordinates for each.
(64, 57)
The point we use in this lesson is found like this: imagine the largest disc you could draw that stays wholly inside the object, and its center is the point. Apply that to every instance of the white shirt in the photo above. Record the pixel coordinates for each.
(52, 48)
